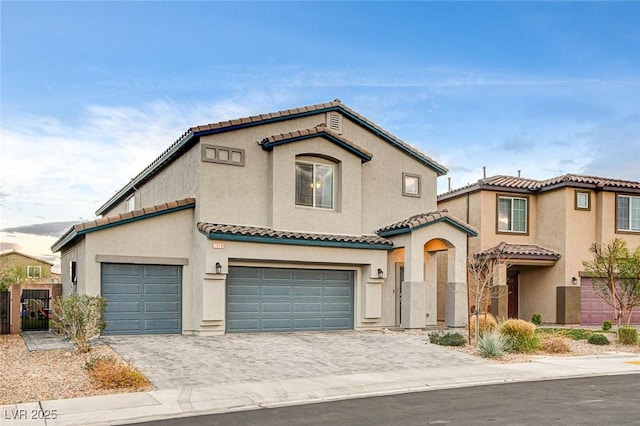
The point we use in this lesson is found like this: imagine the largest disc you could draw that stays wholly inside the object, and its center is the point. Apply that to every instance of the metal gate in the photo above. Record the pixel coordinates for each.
(34, 310)
(5, 312)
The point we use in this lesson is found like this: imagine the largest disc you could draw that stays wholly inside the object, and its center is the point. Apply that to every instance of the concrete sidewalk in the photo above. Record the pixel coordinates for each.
(254, 394)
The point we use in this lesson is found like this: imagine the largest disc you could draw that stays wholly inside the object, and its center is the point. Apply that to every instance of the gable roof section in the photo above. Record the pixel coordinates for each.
(191, 137)
(256, 234)
(77, 231)
(7, 253)
(520, 251)
(318, 131)
(531, 186)
(425, 219)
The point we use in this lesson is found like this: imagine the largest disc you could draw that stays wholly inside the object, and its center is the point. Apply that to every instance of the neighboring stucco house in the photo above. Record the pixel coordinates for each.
(31, 284)
(313, 218)
(544, 230)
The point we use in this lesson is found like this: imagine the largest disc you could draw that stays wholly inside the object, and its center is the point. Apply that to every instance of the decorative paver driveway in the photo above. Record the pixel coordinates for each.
(175, 361)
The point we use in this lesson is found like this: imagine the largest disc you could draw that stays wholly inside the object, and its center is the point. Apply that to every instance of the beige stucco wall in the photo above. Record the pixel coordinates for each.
(75, 253)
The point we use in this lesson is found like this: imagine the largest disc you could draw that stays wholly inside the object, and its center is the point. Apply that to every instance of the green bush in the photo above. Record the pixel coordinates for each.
(492, 344)
(598, 339)
(79, 318)
(536, 319)
(579, 333)
(521, 335)
(628, 335)
(449, 338)
(606, 325)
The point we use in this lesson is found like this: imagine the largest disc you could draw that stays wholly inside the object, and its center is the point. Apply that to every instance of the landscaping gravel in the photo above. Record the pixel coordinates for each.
(44, 375)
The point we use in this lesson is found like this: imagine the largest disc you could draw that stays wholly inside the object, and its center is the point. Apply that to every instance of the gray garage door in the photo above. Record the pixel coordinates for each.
(276, 299)
(142, 299)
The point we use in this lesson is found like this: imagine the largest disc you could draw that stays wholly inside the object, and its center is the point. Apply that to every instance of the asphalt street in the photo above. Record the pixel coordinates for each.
(604, 400)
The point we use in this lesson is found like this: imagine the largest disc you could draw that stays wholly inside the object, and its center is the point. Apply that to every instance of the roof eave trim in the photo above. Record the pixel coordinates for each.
(268, 146)
(295, 241)
(448, 220)
(126, 190)
(69, 236)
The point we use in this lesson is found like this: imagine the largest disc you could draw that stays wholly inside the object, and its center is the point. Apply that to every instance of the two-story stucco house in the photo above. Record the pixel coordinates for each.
(313, 218)
(543, 231)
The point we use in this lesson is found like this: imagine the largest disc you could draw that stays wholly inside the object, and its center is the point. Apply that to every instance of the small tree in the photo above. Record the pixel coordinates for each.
(80, 318)
(615, 274)
(10, 275)
(482, 269)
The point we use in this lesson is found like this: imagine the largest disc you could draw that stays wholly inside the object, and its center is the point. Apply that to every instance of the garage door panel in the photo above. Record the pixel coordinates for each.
(289, 300)
(276, 290)
(142, 299)
(243, 290)
(307, 308)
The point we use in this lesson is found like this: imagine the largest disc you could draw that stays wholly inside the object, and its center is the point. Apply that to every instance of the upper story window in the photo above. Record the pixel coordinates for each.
(628, 213)
(583, 200)
(34, 271)
(512, 214)
(410, 185)
(314, 184)
(131, 203)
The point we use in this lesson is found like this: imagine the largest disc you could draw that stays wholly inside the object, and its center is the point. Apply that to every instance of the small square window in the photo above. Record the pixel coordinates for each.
(583, 200)
(34, 272)
(410, 185)
(131, 203)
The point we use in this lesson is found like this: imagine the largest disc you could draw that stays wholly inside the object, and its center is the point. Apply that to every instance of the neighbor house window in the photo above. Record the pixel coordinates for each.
(512, 214)
(34, 271)
(628, 213)
(583, 199)
(314, 185)
(410, 185)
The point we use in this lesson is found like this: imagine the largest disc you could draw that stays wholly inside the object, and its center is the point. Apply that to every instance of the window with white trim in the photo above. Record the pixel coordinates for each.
(628, 213)
(512, 214)
(34, 271)
(314, 185)
(131, 203)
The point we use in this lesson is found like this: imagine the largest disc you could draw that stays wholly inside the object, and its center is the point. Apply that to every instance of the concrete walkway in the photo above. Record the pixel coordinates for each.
(199, 375)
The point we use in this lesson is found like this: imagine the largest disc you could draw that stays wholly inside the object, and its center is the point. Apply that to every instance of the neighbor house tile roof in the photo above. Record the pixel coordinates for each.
(519, 184)
(520, 251)
(191, 136)
(425, 219)
(254, 233)
(120, 219)
(320, 130)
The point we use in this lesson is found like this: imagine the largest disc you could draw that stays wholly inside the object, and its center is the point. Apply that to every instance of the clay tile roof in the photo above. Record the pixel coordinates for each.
(320, 130)
(520, 251)
(214, 230)
(424, 219)
(532, 185)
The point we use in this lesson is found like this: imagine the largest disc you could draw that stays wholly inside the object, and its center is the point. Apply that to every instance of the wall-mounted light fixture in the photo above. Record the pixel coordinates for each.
(218, 268)
(380, 273)
(574, 281)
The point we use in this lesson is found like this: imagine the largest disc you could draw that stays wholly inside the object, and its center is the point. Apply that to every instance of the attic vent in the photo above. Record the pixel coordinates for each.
(335, 122)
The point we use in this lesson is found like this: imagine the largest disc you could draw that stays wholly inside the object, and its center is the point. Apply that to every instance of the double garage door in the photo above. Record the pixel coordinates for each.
(280, 299)
(142, 299)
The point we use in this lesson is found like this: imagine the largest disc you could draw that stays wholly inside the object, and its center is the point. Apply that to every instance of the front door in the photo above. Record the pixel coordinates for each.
(512, 285)
(398, 291)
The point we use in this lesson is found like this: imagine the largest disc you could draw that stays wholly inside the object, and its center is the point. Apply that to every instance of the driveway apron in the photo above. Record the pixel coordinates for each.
(176, 361)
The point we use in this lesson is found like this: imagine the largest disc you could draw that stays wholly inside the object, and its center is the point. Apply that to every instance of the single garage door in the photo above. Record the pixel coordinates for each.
(277, 299)
(142, 299)
(594, 310)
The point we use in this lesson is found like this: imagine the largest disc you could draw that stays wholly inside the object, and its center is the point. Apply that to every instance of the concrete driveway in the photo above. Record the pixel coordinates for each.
(176, 361)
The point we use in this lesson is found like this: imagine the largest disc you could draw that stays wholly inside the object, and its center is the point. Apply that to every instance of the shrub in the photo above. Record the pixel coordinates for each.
(606, 325)
(79, 318)
(555, 344)
(487, 323)
(109, 373)
(628, 335)
(520, 334)
(536, 319)
(492, 344)
(449, 338)
(598, 339)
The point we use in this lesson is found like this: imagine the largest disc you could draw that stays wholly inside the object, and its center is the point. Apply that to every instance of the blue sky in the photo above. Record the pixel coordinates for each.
(94, 91)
